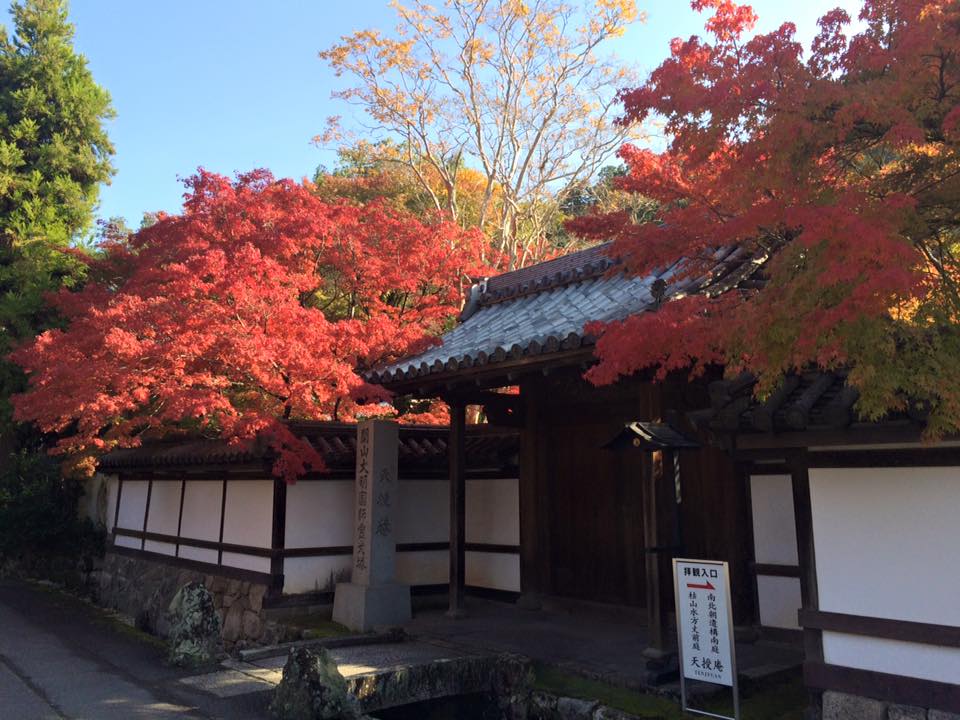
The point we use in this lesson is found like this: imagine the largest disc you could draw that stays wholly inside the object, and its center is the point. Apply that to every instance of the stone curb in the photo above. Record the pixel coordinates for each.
(547, 706)
(391, 636)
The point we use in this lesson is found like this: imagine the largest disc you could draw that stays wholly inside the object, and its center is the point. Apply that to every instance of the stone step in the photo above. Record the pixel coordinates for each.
(379, 674)
(283, 649)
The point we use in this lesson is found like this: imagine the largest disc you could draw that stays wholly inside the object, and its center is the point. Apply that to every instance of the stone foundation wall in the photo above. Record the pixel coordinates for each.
(143, 588)
(841, 706)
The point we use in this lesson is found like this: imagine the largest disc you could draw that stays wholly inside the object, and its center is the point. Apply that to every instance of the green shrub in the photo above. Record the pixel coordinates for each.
(38, 512)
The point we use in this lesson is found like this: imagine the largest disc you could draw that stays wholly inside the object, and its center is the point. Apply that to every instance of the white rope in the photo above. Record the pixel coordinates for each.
(676, 476)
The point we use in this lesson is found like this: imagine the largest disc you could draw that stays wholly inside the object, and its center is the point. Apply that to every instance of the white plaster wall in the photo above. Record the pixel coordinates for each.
(133, 502)
(200, 554)
(160, 547)
(423, 567)
(248, 515)
(500, 571)
(201, 513)
(246, 562)
(493, 511)
(774, 527)
(301, 575)
(775, 543)
(164, 507)
(885, 541)
(319, 514)
(124, 541)
(928, 662)
(780, 601)
(423, 511)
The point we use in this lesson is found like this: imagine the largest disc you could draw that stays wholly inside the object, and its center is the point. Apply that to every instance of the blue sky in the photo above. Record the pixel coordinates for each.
(232, 85)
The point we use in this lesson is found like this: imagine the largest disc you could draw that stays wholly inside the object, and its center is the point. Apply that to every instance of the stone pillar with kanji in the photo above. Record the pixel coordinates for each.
(373, 598)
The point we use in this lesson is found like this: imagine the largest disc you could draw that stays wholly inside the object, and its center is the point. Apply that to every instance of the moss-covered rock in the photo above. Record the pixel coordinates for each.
(312, 688)
(194, 626)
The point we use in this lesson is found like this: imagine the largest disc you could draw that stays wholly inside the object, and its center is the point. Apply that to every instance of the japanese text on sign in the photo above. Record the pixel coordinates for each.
(703, 620)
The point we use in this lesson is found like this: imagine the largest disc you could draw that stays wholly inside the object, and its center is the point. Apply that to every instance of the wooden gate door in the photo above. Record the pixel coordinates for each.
(595, 512)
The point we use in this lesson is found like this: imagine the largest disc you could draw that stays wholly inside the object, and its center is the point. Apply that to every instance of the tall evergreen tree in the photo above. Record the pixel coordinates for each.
(54, 154)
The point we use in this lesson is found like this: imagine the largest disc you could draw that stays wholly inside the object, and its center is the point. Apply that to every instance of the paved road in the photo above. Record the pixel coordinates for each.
(60, 659)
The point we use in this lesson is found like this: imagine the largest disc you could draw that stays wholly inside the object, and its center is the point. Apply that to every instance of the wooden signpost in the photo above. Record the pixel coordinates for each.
(705, 628)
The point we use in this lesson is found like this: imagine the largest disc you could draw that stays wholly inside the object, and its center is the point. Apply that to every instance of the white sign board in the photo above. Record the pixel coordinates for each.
(704, 620)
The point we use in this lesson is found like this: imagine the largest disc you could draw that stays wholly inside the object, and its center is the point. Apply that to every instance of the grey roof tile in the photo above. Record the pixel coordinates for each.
(526, 308)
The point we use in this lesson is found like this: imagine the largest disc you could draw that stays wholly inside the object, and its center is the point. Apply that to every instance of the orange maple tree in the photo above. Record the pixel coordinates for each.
(259, 303)
(842, 167)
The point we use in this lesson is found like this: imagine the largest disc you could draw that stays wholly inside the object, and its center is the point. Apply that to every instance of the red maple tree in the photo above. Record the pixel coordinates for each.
(259, 303)
(842, 166)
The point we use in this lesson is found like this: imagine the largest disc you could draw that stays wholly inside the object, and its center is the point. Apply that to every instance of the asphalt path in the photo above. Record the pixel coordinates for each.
(63, 659)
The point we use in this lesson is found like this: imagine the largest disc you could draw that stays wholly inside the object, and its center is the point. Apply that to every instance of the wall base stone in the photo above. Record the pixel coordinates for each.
(906, 712)
(843, 706)
(143, 588)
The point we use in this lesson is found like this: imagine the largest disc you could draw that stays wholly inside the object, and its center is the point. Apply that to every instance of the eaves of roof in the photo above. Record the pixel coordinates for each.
(537, 316)
(806, 409)
(421, 447)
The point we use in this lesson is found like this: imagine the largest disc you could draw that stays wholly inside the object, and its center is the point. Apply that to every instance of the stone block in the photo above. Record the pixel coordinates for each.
(233, 624)
(575, 709)
(942, 715)
(906, 712)
(217, 584)
(270, 634)
(841, 706)
(543, 706)
(365, 607)
(313, 689)
(194, 626)
(252, 625)
(607, 713)
(255, 597)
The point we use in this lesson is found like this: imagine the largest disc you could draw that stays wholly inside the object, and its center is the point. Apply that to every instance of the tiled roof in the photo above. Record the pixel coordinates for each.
(810, 401)
(542, 309)
(420, 448)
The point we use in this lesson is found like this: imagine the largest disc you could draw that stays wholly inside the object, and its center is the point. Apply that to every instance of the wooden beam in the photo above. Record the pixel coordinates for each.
(116, 510)
(919, 456)
(146, 514)
(457, 455)
(900, 689)
(278, 534)
(856, 434)
(193, 542)
(531, 502)
(183, 491)
(490, 374)
(806, 554)
(743, 470)
(223, 510)
(886, 628)
(773, 570)
(207, 568)
(658, 634)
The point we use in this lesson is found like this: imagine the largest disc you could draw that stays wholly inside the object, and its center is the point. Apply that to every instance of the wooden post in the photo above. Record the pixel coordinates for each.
(278, 536)
(657, 632)
(457, 455)
(531, 514)
(806, 555)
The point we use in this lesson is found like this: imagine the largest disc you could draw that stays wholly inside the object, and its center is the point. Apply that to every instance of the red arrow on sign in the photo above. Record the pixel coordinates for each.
(708, 586)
